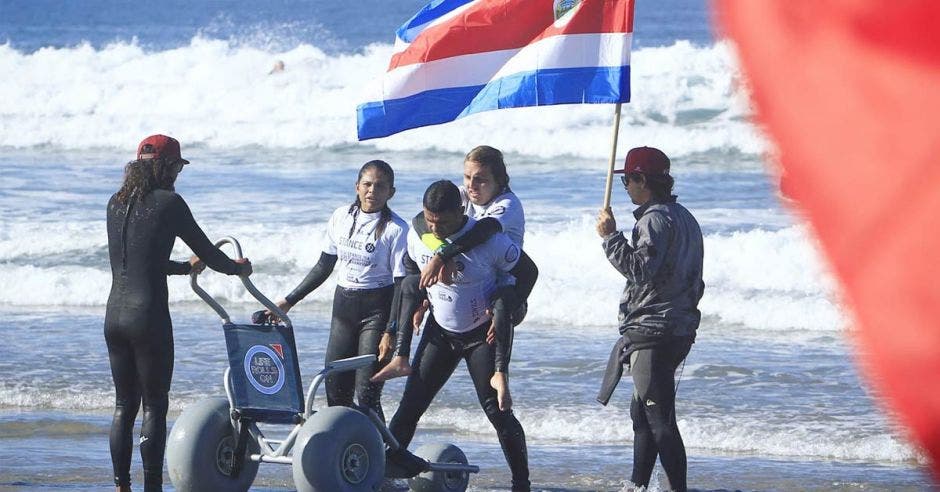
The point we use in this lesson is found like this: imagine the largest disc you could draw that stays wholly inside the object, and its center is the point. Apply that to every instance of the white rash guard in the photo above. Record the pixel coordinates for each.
(364, 262)
(505, 207)
(461, 306)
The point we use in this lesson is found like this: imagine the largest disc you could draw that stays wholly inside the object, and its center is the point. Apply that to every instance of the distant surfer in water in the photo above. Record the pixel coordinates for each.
(659, 312)
(368, 243)
(486, 197)
(144, 219)
(458, 324)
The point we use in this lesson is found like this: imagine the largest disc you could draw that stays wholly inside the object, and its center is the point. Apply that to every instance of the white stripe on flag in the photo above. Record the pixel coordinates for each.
(564, 51)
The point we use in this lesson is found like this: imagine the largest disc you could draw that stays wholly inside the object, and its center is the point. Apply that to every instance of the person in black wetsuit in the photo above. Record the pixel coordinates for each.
(365, 242)
(144, 219)
(458, 324)
(659, 316)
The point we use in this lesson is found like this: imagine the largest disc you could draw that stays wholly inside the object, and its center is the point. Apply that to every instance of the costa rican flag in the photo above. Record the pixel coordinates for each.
(459, 57)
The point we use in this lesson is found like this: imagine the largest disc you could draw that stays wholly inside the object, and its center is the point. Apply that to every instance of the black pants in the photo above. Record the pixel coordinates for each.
(359, 319)
(437, 356)
(141, 359)
(653, 410)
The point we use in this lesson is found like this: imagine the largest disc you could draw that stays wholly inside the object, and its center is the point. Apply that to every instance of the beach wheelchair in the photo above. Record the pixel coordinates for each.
(216, 444)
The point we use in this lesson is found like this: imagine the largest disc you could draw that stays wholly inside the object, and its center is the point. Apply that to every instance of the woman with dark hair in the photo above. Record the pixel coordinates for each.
(144, 219)
(368, 241)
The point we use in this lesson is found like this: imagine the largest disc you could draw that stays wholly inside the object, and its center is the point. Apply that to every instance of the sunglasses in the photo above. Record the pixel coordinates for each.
(624, 180)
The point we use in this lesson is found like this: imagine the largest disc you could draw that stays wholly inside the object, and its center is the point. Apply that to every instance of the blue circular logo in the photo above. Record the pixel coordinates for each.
(370, 247)
(512, 254)
(264, 369)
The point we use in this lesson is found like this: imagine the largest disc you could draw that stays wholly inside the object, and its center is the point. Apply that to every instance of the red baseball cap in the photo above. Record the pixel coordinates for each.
(163, 146)
(646, 160)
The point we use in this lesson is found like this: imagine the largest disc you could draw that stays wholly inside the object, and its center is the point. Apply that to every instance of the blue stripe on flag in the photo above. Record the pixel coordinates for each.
(410, 29)
(536, 88)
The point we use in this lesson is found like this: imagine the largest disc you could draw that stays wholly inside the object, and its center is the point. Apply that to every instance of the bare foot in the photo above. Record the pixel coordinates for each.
(397, 368)
(500, 383)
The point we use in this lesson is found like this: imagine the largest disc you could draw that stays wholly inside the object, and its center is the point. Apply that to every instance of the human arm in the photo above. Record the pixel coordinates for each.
(178, 267)
(640, 261)
(186, 228)
(315, 277)
(434, 271)
(386, 344)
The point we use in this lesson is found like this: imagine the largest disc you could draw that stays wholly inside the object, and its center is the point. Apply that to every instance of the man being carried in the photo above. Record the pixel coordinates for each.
(458, 324)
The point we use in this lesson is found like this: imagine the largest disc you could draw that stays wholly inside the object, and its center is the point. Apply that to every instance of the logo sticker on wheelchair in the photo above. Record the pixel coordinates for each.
(264, 369)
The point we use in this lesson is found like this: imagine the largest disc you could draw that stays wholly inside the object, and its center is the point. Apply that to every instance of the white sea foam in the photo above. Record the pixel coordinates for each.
(218, 94)
(759, 279)
(746, 434)
(736, 434)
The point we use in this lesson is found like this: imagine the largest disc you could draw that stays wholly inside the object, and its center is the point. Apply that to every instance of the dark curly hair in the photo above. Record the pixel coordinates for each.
(143, 176)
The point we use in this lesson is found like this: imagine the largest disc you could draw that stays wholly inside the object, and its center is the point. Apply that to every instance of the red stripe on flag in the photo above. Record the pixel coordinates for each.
(511, 24)
(855, 124)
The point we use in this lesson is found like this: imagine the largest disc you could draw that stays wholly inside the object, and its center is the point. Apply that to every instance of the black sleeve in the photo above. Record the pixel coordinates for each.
(318, 274)
(393, 311)
(187, 230)
(409, 299)
(178, 268)
(526, 273)
(480, 233)
(411, 268)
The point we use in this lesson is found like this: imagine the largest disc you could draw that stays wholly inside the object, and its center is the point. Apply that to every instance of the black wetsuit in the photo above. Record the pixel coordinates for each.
(359, 320)
(137, 326)
(438, 354)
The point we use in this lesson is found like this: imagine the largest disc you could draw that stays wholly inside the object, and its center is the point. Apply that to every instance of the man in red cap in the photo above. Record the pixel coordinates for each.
(658, 309)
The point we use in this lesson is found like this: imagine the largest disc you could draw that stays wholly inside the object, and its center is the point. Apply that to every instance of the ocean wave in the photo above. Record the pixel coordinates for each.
(734, 434)
(218, 94)
(763, 280)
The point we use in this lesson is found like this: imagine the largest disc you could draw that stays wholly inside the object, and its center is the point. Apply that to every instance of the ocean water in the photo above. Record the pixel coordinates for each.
(770, 398)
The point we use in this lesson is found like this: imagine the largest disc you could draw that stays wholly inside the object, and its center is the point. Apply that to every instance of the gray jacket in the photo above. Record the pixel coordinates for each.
(663, 268)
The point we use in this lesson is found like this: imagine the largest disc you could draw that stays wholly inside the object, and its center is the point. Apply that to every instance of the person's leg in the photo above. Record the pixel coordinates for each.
(369, 394)
(434, 362)
(655, 401)
(126, 405)
(644, 445)
(480, 363)
(503, 328)
(376, 306)
(343, 343)
(154, 360)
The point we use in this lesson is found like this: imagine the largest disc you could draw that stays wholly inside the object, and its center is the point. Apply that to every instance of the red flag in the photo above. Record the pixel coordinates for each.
(849, 90)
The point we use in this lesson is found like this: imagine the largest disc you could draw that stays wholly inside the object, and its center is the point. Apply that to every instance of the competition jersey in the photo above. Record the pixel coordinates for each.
(364, 262)
(505, 207)
(461, 306)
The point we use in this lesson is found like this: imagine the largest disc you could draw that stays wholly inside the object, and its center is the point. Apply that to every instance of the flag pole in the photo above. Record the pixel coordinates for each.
(613, 157)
